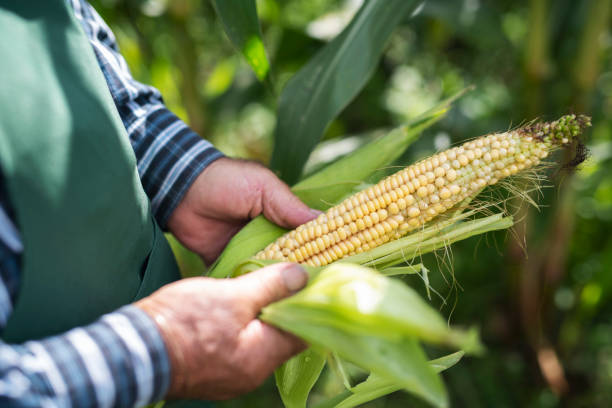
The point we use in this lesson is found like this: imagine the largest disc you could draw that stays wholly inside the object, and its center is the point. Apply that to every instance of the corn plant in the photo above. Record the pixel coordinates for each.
(353, 312)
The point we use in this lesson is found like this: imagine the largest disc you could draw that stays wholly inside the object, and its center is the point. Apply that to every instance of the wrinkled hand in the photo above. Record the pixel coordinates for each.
(218, 348)
(224, 197)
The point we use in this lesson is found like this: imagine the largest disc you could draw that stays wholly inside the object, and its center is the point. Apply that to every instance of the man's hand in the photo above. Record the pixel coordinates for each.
(218, 348)
(224, 197)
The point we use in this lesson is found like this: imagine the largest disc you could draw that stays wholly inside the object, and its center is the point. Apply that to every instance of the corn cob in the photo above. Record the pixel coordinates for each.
(417, 194)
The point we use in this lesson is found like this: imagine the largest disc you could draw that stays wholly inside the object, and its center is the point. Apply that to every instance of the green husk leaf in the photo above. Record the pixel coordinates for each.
(422, 242)
(296, 377)
(376, 386)
(360, 300)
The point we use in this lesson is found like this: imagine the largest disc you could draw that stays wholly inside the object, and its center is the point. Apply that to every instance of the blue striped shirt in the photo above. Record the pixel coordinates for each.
(119, 360)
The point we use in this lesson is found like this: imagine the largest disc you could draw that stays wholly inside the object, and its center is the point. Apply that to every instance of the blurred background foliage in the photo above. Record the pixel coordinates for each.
(542, 296)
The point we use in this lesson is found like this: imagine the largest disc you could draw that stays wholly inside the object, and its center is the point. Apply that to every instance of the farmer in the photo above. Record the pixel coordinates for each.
(88, 177)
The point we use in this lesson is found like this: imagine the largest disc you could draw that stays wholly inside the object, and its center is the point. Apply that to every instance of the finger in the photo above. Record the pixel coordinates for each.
(270, 284)
(270, 346)
(282, 207)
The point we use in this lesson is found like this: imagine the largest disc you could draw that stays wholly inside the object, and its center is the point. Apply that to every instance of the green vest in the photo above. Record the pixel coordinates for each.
(91, 244)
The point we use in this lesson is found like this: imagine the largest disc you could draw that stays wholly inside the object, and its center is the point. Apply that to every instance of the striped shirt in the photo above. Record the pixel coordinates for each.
(119, 360)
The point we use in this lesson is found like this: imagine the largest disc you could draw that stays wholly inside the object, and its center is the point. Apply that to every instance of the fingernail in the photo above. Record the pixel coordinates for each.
(316, 213)
(295, 277)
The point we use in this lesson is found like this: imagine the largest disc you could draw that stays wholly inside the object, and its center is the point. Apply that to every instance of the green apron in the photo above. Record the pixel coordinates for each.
(91, 244)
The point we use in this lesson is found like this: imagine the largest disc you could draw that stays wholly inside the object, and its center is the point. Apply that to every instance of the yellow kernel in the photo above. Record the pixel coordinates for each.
(440, 182)
(320, 244)
(439, 172)
(414, 222)
(347, 217)
(386, 226)
(380, 228)
(377, 190)
(409, 199)
(413, 212)
(432, 212)
(318, 231)
(423, 180)
(311, 232)
(435, 161)
(451, 175)
(359, 212)
(371, 206)
(353, 227)
(431, 188)
(434, 199)
(375, 218)
(495, 154)
(423, 205)
(451, 155)
(304, 252)
(356, 242)
(317, 261)
(455, 189)
(331, 224)
(368, 221)
(487, 157)
(370, 192)
(393, 208)
(387, 198)
(445, 193)
(463, 160)
(401, 203)
(381, 202)
(382, 214)
(339, 222)
(416, 184)
(365, 209)
(344, 247)
(430, 177)
(327, 257)
(309, 248)
(360, 224)
(326, 240)
(342, 233)
(338, 251)
(422, 192)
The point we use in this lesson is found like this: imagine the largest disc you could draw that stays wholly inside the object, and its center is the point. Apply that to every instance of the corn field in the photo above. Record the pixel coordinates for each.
(447, 268)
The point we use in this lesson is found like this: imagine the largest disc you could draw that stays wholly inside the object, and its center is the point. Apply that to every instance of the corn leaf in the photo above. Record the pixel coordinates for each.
(296, 377)
(361, 301)
(375, 386)
(241, 24)
(315, 95)
(253, 237)
(422, 242)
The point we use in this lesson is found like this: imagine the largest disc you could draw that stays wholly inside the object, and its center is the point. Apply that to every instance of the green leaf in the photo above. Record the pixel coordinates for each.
(315, 95)
(253, 237)
(361, 301)
(297, 376)
(376, 386)
(241, 24)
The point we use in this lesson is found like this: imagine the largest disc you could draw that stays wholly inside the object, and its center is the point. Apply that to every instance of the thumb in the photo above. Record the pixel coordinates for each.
(282, 207)
(270, 284)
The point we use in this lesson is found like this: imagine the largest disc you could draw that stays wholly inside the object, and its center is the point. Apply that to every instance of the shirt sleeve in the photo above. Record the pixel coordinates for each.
(169, 154)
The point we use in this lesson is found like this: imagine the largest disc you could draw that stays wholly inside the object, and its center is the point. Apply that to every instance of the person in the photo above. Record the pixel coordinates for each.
(78, 242)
